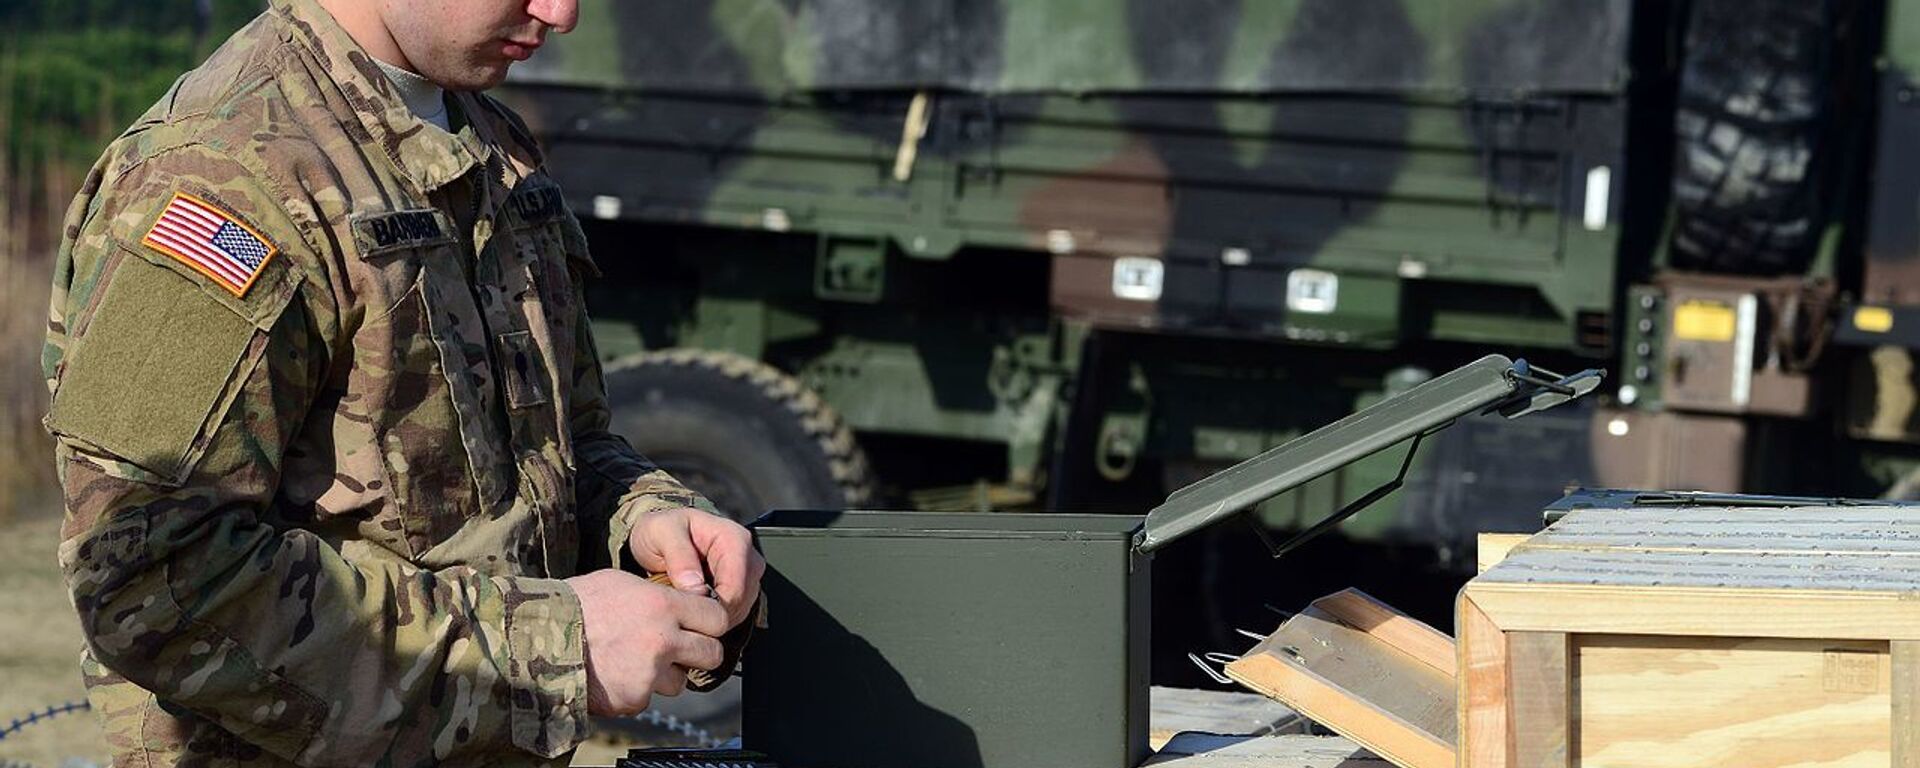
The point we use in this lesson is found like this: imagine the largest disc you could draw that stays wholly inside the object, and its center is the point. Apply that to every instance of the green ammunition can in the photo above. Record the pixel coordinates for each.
(995, 640)
(927, 640)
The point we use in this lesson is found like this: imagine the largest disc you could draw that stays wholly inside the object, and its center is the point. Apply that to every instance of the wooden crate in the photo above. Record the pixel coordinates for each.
(1717, 636)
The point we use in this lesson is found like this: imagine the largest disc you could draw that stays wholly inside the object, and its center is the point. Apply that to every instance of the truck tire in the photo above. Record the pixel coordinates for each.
(745, 435)
(1750, 135)
(748, 437)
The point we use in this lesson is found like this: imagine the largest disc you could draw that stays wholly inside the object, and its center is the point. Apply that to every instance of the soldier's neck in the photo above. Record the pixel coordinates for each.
(424, 99)
(363, 23)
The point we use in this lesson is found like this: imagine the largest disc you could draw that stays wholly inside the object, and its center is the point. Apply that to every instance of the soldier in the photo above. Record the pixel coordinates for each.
(339, 482)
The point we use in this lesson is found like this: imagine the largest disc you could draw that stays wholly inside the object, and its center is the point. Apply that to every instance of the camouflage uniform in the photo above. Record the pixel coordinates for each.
(319, 515)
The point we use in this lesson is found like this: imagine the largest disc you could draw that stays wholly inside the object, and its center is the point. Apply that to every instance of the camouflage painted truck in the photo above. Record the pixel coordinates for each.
(1069, 254)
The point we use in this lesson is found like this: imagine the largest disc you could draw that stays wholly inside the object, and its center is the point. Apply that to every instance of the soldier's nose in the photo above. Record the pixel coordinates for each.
(558, 14)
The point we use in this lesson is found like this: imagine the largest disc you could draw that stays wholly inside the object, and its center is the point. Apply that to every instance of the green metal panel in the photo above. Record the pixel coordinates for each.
(950, 641)
(779, 46)
(1492, 382)
(1903, 36)
(1424, 408)
(1421, 197)
(936, 386)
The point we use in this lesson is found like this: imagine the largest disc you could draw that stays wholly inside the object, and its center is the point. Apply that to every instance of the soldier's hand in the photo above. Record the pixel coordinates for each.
(641, 638)
(690, 545)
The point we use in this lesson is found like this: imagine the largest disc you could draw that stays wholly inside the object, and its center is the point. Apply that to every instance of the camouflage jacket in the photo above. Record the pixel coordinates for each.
(323, 478)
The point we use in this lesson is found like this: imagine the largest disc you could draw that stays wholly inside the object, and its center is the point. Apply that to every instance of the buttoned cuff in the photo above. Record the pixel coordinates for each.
(632, 508)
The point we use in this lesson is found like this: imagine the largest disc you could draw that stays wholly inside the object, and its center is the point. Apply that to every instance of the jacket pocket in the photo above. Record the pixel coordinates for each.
(424, 378)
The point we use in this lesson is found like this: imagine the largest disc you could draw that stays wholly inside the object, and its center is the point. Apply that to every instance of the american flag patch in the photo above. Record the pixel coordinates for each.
(211, 241)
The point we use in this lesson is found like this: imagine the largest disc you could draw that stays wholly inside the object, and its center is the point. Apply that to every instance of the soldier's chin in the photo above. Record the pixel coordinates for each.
(493, 78)
(475, 76)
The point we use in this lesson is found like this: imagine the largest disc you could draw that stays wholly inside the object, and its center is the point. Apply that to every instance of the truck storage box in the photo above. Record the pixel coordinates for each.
(1663, 629)
(950, 641)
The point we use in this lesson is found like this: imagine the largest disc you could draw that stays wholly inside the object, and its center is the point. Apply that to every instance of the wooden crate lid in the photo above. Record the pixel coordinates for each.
(1838, 572)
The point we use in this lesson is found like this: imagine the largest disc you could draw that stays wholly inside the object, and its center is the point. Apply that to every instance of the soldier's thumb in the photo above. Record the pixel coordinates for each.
(683, 561)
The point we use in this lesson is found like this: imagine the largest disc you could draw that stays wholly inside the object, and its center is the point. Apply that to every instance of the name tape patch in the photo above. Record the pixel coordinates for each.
(211, 241)
(395, 229)
(405, 227)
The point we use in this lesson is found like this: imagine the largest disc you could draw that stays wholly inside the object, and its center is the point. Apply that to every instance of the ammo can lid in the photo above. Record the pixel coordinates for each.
(1492, 383)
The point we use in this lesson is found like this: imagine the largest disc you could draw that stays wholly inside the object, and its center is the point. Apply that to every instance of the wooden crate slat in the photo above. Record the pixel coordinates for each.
(1906, 703)
(1849, 572)
(1675, 611)
(1365, 671)
(1205, 750)
(1482, 692)
(1863, 529)
(1673, 702)
(1409, 635)
(1538, 698)
(1491, 548)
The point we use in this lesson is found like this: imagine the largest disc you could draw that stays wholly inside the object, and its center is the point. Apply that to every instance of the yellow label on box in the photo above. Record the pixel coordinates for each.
(1873, 319)
(1701, 320)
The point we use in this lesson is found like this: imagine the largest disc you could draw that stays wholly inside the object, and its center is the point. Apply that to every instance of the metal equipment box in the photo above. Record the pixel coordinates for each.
(870, 615)
(997, 640)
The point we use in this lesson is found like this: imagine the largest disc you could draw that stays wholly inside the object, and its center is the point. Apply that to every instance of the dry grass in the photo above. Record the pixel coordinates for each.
(39, 635)
(26, 466)
(40, 650)
(33, 192)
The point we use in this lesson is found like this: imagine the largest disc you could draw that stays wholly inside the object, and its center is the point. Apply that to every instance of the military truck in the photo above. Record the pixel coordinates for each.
(1070, 254)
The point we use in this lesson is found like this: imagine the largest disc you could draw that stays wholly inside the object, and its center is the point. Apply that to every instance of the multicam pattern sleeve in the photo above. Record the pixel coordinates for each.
(175, 402)
(615, 485)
